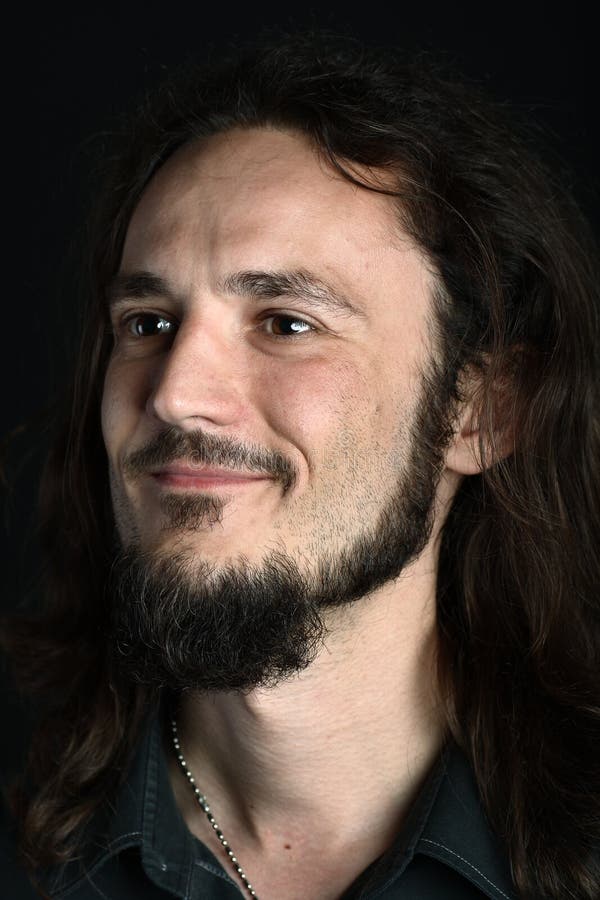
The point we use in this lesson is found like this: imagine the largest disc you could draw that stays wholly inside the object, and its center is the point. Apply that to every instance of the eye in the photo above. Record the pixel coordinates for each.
(281, 325)
(148, 325)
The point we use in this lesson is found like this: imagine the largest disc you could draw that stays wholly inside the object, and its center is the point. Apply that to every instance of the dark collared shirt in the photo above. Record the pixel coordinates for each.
(145, 851)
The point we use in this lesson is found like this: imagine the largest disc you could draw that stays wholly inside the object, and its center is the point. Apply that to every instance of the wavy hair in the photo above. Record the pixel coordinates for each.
(517, 602)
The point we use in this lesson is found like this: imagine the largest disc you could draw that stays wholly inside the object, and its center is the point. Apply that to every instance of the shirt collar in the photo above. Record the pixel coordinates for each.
(457, 831)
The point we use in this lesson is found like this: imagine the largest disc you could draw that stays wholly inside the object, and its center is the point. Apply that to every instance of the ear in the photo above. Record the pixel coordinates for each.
(483, 429)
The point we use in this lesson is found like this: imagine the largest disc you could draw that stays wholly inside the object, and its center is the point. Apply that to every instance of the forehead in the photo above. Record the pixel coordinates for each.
(274, 170)
(264, 199)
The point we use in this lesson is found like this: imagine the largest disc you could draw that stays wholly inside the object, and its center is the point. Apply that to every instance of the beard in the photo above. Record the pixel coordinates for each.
(180, 623)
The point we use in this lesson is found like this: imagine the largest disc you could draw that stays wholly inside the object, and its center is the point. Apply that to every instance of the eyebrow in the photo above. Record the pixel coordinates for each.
(297, 284)
(136, 286)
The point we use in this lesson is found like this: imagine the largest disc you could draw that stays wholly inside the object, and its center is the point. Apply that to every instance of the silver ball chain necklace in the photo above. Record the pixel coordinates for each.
(204, 804)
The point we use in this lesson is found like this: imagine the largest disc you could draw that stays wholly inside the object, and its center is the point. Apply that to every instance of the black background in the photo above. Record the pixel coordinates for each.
(69, 75)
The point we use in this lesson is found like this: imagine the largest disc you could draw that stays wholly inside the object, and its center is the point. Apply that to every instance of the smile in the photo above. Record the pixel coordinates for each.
(194, 478)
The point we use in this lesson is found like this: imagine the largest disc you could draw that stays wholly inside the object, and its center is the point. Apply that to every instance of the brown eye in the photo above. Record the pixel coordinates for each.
(287, 326)
(149, 325)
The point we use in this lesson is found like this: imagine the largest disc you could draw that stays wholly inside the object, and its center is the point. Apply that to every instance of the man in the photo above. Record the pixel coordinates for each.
(323, 615)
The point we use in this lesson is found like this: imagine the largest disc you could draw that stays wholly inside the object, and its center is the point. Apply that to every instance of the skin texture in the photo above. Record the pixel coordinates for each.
(309, 779)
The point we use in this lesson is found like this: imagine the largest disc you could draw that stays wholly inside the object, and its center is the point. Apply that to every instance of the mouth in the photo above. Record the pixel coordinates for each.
(203, 477)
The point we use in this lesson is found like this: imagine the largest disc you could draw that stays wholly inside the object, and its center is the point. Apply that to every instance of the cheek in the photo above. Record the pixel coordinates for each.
(313, 403)
(121, 404)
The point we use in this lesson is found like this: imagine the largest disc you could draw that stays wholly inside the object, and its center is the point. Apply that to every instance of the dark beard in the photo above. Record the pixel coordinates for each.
(178, 622)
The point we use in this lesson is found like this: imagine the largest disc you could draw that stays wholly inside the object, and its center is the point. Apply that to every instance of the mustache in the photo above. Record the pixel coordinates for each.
(199, 448)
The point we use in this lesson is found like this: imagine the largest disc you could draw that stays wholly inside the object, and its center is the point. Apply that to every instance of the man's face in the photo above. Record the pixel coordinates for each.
(259, 405)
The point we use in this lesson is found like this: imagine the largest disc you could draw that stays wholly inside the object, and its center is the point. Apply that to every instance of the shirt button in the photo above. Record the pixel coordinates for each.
(163, 866)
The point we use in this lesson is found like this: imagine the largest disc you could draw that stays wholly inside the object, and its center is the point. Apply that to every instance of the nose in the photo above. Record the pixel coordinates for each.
(198, 380)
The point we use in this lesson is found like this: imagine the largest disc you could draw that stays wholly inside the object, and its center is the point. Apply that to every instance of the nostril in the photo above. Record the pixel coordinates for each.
(177, 400)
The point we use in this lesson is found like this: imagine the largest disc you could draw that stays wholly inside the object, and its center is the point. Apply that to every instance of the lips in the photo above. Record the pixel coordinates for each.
(178, 474)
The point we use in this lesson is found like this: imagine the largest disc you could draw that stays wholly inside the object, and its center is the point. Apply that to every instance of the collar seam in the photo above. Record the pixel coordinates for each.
(456, 865)
(215, 870)
(116, 846)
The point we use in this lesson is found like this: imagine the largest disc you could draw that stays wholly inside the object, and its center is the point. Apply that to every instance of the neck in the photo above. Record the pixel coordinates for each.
(333, 754)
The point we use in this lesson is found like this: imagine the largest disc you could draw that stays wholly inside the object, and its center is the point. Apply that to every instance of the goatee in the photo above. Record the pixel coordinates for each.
(184, 624)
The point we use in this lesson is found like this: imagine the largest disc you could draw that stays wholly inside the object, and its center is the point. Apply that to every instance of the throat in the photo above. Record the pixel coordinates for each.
(318, 774)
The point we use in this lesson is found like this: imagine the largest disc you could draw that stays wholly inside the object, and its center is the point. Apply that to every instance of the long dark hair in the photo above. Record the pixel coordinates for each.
(518, 611)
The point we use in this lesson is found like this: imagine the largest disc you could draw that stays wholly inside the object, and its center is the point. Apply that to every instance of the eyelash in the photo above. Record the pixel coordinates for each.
(127, 320)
